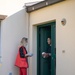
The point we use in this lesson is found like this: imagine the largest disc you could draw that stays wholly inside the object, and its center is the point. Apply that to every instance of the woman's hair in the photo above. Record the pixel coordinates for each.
(23, 39)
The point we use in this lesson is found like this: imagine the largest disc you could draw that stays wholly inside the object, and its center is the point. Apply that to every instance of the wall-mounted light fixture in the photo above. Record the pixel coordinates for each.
(63, 21)
(33, 8)
(46, 3)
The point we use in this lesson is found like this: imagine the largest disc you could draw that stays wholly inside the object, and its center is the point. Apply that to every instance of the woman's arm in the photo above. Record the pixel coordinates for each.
(22, 55)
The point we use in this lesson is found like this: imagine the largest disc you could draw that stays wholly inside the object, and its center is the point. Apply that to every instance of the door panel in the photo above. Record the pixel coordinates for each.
(53, 50)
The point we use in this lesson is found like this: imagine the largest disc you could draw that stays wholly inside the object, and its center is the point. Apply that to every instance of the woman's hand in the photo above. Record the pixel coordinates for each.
(26, 55)
(46, 55)
(29, 55)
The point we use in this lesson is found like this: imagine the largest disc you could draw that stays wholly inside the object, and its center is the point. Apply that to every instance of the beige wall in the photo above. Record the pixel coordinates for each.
(13, 28)
(65, 35)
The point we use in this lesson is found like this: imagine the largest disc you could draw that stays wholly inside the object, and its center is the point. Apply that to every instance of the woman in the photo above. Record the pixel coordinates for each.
(48, 51)
(21, 60)
(47, 56)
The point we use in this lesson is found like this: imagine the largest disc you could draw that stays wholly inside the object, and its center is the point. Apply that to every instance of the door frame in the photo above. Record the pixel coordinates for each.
(39, 26)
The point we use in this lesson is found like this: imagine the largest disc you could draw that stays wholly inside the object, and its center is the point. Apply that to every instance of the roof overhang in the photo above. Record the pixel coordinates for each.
(41, 5)
(2, 17)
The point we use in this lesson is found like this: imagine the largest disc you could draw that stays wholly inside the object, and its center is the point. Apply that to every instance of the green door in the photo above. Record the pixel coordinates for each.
(53, 49)
(43, 66)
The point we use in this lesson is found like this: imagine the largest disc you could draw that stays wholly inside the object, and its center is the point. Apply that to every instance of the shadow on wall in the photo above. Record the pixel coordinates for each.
(13, 28)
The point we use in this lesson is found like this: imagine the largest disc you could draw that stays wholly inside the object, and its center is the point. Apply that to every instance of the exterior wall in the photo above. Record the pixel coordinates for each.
(0, 42)
(65, 35)
(0, 46)
(13, 29)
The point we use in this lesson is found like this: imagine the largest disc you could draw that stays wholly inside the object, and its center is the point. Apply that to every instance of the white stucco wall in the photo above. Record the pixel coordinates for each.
(13, 28)
(0, 46)
(0, 42)
(65, 35)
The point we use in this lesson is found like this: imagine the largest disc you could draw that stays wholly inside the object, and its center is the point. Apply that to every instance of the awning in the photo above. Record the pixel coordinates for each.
(41, 4)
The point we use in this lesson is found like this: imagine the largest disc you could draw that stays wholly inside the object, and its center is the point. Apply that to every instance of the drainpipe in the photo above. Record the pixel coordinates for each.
(28, 23)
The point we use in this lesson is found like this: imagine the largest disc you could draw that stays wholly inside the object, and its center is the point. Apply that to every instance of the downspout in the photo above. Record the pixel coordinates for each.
(28, 36)
(28, 23)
